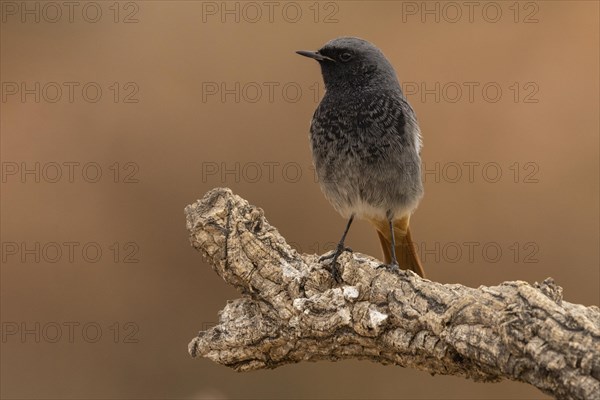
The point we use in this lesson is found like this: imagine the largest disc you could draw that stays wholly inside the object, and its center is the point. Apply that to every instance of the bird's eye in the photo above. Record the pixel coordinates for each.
(345, 57)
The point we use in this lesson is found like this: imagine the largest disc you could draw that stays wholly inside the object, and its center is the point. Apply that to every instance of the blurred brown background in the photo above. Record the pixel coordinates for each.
(511, 183)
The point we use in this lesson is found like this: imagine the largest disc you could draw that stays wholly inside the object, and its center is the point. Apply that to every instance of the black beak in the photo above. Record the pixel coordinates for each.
(314, 55)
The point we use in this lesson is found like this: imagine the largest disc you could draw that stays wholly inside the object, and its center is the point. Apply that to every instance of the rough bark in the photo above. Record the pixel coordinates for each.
(292, 310)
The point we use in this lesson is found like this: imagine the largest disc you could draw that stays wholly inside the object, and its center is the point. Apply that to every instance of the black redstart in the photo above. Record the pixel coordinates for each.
(366, 144)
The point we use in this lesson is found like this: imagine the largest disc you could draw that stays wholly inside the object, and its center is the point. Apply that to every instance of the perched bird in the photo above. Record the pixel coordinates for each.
(366, 145)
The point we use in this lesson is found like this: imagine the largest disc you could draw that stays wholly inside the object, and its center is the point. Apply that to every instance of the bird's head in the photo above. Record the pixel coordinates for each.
(349, 62)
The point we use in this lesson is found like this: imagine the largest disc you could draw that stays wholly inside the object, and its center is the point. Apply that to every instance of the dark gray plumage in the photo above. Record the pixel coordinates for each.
(365, 139)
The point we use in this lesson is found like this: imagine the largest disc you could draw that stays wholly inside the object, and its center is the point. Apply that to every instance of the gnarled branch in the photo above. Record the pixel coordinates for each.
(292, 310)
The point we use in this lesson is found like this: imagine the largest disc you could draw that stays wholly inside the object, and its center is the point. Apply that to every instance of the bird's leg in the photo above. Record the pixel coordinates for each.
(394, 263)
(340, 248)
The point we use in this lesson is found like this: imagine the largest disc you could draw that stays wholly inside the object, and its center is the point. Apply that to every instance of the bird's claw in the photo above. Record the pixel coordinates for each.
(336, 253)
(333, 268)
(393, 267)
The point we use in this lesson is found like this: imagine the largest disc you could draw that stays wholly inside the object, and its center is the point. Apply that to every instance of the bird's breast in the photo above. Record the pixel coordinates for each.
(364, 159)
